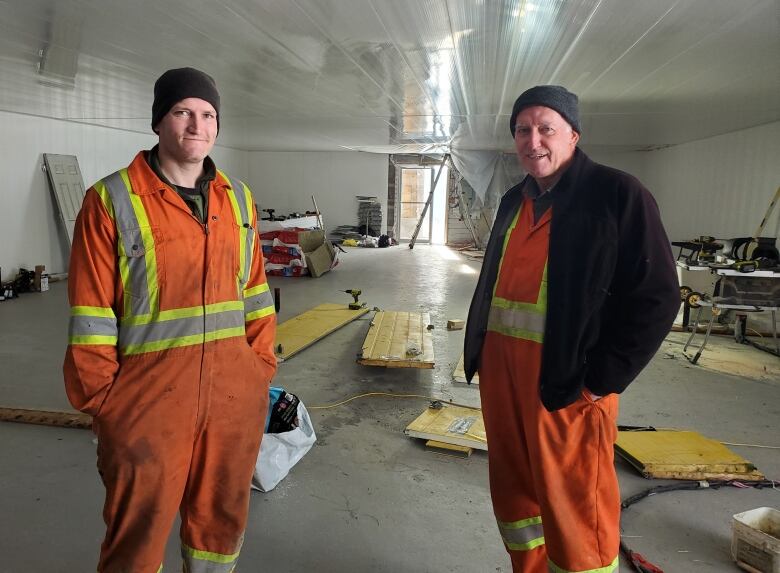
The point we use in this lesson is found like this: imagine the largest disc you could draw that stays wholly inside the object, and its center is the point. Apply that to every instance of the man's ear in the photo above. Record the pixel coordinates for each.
(575, 137)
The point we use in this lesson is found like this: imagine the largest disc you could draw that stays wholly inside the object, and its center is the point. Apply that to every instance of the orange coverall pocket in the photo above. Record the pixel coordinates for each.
(143, 258)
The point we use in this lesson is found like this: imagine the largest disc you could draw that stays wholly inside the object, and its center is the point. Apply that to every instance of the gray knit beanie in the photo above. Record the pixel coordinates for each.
(181, 83)
(555, 97)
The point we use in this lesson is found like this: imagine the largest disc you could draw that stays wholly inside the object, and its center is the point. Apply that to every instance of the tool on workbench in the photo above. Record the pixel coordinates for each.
(357, 305)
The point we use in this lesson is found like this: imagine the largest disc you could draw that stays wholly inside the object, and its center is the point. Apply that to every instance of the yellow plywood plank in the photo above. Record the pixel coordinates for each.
(399, 340)
(459, 375)
(305, 329)
(451, 425)
(682, 455)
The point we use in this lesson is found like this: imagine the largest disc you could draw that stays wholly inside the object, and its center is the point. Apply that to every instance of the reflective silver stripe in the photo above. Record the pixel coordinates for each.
(515, 319)
(179, 327)
(522, 538)
(258, 302)
(132, 241)
(197, 566)
(245, 223)
(91, 326)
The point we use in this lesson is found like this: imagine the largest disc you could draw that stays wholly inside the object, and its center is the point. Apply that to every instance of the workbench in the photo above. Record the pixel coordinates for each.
(743, 302)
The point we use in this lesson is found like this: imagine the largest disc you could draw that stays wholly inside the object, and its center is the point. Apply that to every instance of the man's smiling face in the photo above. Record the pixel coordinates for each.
(545, 144)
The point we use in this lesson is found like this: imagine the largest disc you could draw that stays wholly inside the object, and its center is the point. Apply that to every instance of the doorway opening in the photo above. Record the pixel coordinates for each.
(415, 187)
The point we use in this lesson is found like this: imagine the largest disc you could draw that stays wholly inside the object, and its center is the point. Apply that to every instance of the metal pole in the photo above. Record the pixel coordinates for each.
(465, 213)
(317, 211)
(428, 202)
(430, 219)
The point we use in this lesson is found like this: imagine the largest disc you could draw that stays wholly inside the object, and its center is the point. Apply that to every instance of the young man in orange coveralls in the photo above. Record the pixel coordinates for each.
(578, 289)
(171, 340)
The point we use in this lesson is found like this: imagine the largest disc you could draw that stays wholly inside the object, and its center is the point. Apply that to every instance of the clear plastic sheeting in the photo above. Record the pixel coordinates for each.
(489, 173)
(400, 76)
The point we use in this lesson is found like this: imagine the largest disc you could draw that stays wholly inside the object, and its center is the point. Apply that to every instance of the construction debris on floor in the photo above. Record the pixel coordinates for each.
(723, 354)
(399, 340)
(755, 542)
(672, 454)
(455, 324)
(294, 252)
(303, 330)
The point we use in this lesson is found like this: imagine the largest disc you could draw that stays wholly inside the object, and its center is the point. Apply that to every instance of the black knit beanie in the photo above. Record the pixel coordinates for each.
(555, 97)
(181, 83)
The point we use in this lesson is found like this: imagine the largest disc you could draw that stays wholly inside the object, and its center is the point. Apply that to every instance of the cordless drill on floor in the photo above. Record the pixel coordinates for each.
(357, 305)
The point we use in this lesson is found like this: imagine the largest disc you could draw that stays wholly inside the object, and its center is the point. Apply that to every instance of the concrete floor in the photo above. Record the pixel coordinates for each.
(367, 498)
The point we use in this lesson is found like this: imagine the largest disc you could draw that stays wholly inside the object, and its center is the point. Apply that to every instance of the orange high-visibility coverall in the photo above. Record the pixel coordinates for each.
(171, 351)
(552, 480)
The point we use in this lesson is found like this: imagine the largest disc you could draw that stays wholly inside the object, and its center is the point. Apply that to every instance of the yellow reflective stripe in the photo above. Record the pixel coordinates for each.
(508, 234)
(92, 339)
(149, 243)
(209, 556)
(160, 569)
(519, 524)
(192, 340)
(533, 544)
(608, 569)
(187, 312)
(518, 333)
(256, 290)
(105, 198)
(250, 249)
(100, 311)
(255, 314)
(241, 234)
(223, 306)
(534, 307)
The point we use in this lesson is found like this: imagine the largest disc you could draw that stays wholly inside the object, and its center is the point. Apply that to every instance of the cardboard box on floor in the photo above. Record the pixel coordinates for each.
(320, 254)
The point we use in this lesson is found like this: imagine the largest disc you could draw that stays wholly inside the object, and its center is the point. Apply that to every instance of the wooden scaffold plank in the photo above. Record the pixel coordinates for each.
(303, 330)
(399, 340)
(682, 455)
(46, 417)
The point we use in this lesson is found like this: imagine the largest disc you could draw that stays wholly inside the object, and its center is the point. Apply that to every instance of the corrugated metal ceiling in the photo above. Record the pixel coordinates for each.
(401, 75)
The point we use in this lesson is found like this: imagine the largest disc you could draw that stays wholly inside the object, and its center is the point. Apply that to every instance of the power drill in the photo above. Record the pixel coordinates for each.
(357, 305)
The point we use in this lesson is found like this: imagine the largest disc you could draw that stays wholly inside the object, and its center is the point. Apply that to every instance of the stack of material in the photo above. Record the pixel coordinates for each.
(296, 252)
(369, 216)
(282, 253)
(343, 232)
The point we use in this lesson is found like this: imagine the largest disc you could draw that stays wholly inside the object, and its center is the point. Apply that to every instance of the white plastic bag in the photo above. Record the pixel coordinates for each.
(280, 452)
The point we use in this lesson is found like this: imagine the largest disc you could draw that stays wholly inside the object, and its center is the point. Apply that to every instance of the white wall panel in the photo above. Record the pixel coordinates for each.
(30, 230)
(633, 162)
(285, 181)
(719, 186)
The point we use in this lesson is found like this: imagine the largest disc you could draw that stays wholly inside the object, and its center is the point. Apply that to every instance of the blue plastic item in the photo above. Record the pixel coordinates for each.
(274, 393)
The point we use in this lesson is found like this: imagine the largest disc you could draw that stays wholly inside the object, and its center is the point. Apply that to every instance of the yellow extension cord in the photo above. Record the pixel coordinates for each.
(431, 398)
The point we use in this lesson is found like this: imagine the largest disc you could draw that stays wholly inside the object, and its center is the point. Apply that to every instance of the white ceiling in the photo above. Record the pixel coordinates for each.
(401, 75)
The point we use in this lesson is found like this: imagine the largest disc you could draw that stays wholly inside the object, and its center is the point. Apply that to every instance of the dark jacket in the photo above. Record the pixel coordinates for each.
(612, 284)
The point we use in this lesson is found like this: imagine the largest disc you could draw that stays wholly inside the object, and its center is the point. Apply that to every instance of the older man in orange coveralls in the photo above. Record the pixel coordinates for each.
(577, 291)
(171, 340)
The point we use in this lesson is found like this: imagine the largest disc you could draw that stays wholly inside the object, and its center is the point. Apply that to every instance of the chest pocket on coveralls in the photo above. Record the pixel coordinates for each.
(142, 261)
(244, 236)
